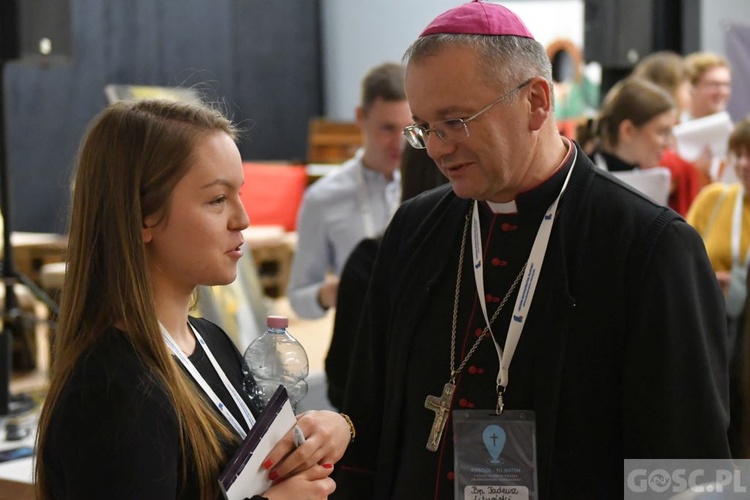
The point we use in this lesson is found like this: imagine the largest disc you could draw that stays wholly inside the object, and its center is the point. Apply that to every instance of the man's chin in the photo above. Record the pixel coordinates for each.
(464, 192)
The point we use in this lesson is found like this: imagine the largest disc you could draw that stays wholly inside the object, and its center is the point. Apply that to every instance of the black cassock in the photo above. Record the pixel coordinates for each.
(627, 314)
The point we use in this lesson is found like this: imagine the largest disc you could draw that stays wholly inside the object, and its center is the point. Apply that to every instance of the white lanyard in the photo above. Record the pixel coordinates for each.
(737, 230)
(249, 419)
(529, 281)
(363, 197)
(365, 207)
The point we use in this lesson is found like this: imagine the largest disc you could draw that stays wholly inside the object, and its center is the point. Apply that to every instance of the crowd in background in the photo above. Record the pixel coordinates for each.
(633, 131)
(352, 258)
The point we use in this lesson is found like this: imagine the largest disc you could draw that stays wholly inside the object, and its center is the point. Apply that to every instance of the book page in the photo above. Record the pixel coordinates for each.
(694, 135)
(244, 475)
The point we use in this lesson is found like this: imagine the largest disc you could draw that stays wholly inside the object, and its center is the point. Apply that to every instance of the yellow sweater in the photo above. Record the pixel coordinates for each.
(718, 237)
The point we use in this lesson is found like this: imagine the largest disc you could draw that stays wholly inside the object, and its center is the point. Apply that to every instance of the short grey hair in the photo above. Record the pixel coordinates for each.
(504, 60)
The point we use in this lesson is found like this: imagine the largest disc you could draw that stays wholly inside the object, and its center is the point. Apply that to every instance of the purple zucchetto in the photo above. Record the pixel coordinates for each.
(478, 18)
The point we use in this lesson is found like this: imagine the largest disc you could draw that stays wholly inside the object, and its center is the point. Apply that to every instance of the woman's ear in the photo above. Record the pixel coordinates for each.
(625, 131)
(540, 101)
(147, 231)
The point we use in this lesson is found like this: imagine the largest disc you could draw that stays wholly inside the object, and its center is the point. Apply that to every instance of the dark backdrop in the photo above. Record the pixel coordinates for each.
(619, 33)
(259, 58)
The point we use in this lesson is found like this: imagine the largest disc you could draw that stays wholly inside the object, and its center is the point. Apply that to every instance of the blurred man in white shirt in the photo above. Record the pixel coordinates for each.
(356, 201)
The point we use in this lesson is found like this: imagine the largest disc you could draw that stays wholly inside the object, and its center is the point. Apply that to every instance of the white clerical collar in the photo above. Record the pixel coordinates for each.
(509, 207)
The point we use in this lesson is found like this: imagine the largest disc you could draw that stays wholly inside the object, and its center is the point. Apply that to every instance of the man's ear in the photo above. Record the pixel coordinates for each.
(540, 102)
(359, 113)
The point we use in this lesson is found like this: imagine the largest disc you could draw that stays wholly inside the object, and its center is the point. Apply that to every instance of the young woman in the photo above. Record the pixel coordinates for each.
(670, 71)
(635, 128)
(635, 125)
(146, 402)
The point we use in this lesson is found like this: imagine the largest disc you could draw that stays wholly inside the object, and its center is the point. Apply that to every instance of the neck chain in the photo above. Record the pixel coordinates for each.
(456, 371)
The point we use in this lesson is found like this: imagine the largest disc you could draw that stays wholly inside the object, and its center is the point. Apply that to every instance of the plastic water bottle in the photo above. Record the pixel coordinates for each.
(276, 358)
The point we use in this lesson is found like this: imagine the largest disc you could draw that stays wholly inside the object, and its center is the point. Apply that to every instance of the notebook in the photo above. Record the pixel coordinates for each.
(244, 475)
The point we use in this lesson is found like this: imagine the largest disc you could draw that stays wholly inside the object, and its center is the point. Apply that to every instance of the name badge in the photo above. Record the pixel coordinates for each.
(495, 455)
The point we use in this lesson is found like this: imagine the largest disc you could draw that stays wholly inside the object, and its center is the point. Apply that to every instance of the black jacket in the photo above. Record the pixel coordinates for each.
(114, 433)
(633, 361)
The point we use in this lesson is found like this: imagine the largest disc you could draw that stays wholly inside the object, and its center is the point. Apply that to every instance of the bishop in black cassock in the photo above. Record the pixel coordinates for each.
(622, 355)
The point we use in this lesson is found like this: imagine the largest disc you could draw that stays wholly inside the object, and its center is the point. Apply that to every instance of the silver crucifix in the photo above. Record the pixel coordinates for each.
(441, 406)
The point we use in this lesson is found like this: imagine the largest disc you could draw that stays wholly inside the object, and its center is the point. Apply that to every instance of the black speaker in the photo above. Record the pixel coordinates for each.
(619, 33)
(45, 28)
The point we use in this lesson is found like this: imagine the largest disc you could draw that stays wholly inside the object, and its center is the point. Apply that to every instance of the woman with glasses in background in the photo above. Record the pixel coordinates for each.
(634, 129)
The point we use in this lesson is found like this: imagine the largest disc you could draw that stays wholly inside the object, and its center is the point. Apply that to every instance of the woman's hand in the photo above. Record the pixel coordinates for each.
(703, 162)
(326, 438)
(312, 484)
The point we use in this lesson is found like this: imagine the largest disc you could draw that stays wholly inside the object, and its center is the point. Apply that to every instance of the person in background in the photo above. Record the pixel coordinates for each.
(354, 202)
(744, 370)
(587, 136)
(711, 80)
(575, 94)
(670, 71)
(146, 402)
(711, 84)
(535, 282)
(721, 214)
(418, 174)
(635, 126)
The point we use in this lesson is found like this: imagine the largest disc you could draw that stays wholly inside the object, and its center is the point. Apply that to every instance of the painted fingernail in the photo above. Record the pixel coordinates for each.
(273, 475)
(328, 466)
(267, 464)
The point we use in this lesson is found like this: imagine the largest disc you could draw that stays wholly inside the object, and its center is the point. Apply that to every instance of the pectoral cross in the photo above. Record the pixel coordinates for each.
(441, 406)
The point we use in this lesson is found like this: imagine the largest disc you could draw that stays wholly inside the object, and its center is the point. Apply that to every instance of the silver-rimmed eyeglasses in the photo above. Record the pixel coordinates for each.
(452, 130)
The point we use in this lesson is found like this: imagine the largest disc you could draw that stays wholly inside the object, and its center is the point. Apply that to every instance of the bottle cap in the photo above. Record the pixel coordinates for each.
(277, 322)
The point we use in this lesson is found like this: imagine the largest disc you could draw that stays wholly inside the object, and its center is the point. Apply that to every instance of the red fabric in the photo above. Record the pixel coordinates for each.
(567, 128)
(273, 193)
(686, 181)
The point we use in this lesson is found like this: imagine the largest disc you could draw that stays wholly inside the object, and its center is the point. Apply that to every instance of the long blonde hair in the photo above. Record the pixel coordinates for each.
(132, 156)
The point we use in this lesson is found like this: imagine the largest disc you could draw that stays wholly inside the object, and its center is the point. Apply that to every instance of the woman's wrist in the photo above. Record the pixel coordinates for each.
(352, 430)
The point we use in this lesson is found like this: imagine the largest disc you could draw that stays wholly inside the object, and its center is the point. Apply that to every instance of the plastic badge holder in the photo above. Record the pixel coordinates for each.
(495, 456)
